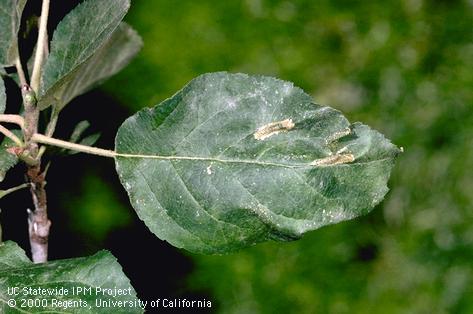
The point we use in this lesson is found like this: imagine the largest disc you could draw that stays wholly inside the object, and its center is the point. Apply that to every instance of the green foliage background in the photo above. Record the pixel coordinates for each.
(403, 67)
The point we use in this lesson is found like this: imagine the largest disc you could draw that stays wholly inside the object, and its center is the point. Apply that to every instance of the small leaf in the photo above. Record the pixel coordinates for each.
(107, 61)
(3, 96)
(98, 271)
(112, 57)
(10, 18)
(90, 139)
(87, 48)
(78, 131)
(7, 159)
(232, 160)
(77, 134)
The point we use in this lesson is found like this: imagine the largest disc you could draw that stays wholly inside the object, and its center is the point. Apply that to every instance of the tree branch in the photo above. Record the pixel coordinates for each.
(38, 222)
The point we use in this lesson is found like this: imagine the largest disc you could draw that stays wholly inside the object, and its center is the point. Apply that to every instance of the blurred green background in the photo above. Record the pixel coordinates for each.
(403, 67)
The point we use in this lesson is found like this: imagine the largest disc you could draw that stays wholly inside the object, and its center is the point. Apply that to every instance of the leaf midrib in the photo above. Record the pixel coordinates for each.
(242, 161)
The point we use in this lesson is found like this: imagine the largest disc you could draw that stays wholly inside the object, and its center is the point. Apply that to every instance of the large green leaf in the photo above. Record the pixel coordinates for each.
(84, 51)
(100, 271)
(7, 159)
(10, 18)
(232, 160)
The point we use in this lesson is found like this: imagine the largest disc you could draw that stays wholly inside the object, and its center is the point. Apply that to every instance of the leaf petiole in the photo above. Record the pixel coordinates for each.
(11, 135)
(42, 41)
(13, 118)
(50, 129)
(4, 193)
(43, 139)
(21, 73)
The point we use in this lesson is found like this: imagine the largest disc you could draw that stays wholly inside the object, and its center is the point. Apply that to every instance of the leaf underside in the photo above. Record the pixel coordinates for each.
(257, 160)
(3, 96)
(10, 18)
(99, 270)
(89, 45)
(7, 159)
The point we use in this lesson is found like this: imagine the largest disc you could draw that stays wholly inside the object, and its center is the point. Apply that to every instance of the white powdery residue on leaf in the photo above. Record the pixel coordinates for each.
(310, 225)
(321, 110)
(232, 102)
(376, 198)
(287, 88)
(334, 215)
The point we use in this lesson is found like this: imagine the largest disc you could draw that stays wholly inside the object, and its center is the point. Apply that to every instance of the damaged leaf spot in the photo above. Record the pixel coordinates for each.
(333, 160)
(273, 128)
(338, 135)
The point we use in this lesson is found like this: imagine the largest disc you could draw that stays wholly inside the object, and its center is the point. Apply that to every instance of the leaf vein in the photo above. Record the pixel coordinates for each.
(218, 221)
(153, 193)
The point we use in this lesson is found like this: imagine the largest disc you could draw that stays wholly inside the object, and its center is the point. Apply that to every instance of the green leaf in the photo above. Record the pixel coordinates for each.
(98, 271)
(10, 18)
(90, 140)
(11, 255)
(232, 160)
(3, 96)
(88, 46)
(79, 130)
(76, 135)
(7, 159)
